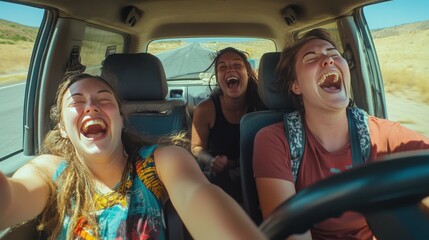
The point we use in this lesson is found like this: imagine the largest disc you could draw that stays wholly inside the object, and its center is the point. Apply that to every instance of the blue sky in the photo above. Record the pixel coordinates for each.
(385, 14)
(396, 12)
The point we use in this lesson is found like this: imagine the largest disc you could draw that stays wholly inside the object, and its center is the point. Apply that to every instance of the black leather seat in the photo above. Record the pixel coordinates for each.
(142, 85)
(278, 104)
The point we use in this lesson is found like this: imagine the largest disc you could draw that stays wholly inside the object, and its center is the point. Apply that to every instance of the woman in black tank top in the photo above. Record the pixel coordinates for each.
(216, 120)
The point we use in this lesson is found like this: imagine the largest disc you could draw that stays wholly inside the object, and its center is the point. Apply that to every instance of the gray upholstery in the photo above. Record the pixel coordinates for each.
(273, 99)
(251, 123)
(142, 86)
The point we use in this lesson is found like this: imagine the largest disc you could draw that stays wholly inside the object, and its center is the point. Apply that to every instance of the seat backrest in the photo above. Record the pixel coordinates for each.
(278, 104)
(142, 86)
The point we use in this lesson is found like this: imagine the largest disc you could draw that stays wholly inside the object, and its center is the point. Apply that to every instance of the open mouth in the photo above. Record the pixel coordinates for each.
(93, 128)
(232, 82)
(330, 82)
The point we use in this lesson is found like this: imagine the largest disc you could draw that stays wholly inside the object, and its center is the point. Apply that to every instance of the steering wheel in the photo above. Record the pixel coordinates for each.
(388, 193)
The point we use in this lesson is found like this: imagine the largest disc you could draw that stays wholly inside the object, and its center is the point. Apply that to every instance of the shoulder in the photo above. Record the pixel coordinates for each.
(162, 153)
(170, 152)
(270, 136)
(379, 124)
(205, 105)
(276, 129)
(46, 163)
(172, 161)
(205, 111)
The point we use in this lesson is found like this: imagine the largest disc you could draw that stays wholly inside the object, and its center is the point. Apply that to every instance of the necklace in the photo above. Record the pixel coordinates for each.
(119, 193)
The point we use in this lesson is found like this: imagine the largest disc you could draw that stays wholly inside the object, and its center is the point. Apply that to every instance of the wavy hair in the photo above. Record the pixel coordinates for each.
(72, 192)
(286, 73)
(252, 96)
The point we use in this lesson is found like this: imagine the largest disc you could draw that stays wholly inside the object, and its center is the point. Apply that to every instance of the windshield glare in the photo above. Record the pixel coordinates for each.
(190, 58)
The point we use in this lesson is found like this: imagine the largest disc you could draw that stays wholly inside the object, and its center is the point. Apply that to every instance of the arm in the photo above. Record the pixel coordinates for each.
(24, 196)
(392, 137)
(272, 170)
(207, 211)
(272, 192)
(202, 120)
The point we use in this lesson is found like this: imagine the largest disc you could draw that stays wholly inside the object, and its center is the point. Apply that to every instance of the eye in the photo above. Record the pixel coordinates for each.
(238, 65)
(221, 67)
(105, 98)
(76, 101)
(310, 58)
(334, 53)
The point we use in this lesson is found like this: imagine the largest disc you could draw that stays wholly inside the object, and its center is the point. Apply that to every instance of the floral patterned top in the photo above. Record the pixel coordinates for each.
(134, 210)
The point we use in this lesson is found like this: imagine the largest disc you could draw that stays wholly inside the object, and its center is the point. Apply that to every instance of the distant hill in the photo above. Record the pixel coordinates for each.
(11, 32)
(400, 29)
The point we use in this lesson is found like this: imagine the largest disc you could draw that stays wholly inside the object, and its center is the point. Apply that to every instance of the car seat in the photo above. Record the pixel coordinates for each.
(142, 86)
(278, 104)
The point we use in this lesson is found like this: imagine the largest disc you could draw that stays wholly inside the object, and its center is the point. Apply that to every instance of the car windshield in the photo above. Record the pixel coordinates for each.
(190, 58)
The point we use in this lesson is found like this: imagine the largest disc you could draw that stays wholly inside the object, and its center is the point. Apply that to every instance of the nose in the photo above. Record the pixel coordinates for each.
(327, 60)
(91, 107)
(229, 68)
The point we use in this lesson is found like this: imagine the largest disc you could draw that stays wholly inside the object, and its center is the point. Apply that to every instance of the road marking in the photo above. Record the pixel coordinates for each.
(9, 86)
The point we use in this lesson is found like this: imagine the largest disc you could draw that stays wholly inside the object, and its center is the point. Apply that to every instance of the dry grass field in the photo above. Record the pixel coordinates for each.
(402, 52)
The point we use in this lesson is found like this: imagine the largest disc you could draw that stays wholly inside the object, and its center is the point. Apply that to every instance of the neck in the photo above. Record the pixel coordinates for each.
(330, 128)
(107, 170)
(234, 104)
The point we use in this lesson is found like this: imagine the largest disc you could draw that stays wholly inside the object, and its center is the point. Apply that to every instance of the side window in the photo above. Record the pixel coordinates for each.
(18, 33)
(97, 44)
(400, 31)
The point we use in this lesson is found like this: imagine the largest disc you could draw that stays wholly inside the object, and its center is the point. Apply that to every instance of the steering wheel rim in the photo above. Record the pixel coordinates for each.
(398, 182)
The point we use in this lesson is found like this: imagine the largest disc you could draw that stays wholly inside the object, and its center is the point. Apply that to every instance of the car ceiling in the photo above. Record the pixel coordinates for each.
(187, 18)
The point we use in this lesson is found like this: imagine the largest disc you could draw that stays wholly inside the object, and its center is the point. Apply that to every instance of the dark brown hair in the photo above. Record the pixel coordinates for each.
(252, 96)
(286, 73)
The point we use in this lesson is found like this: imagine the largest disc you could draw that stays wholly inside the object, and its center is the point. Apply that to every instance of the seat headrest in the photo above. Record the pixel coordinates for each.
(273, 99)
(138, 76)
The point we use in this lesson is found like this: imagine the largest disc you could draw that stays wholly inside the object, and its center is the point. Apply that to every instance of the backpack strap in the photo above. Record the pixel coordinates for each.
(359, 135)
(295, 134)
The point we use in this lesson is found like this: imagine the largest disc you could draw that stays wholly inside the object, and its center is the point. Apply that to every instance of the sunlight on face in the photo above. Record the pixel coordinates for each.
(91, 117)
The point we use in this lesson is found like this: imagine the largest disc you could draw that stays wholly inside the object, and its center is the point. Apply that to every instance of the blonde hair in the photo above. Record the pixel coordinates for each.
(75, 181)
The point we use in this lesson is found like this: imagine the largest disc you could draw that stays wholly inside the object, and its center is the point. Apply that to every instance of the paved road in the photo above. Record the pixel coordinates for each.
(11, 122)
(192, 58)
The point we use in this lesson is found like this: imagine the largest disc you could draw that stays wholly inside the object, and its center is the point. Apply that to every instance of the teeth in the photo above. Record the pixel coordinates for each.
(324, 76)
(231, 78)
(93, 122)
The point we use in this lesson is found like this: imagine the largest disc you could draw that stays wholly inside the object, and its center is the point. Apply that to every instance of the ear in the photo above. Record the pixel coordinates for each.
(295, 88)
(62, 131)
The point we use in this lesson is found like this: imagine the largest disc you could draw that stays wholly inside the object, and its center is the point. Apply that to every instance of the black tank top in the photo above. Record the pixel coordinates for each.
(224, 137)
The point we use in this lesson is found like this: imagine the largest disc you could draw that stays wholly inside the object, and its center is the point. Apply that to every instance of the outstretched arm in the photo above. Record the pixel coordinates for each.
(207, 211)
(24, 196)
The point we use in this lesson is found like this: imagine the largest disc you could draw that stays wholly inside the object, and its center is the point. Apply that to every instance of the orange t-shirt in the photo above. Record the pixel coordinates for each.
(271, 159)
